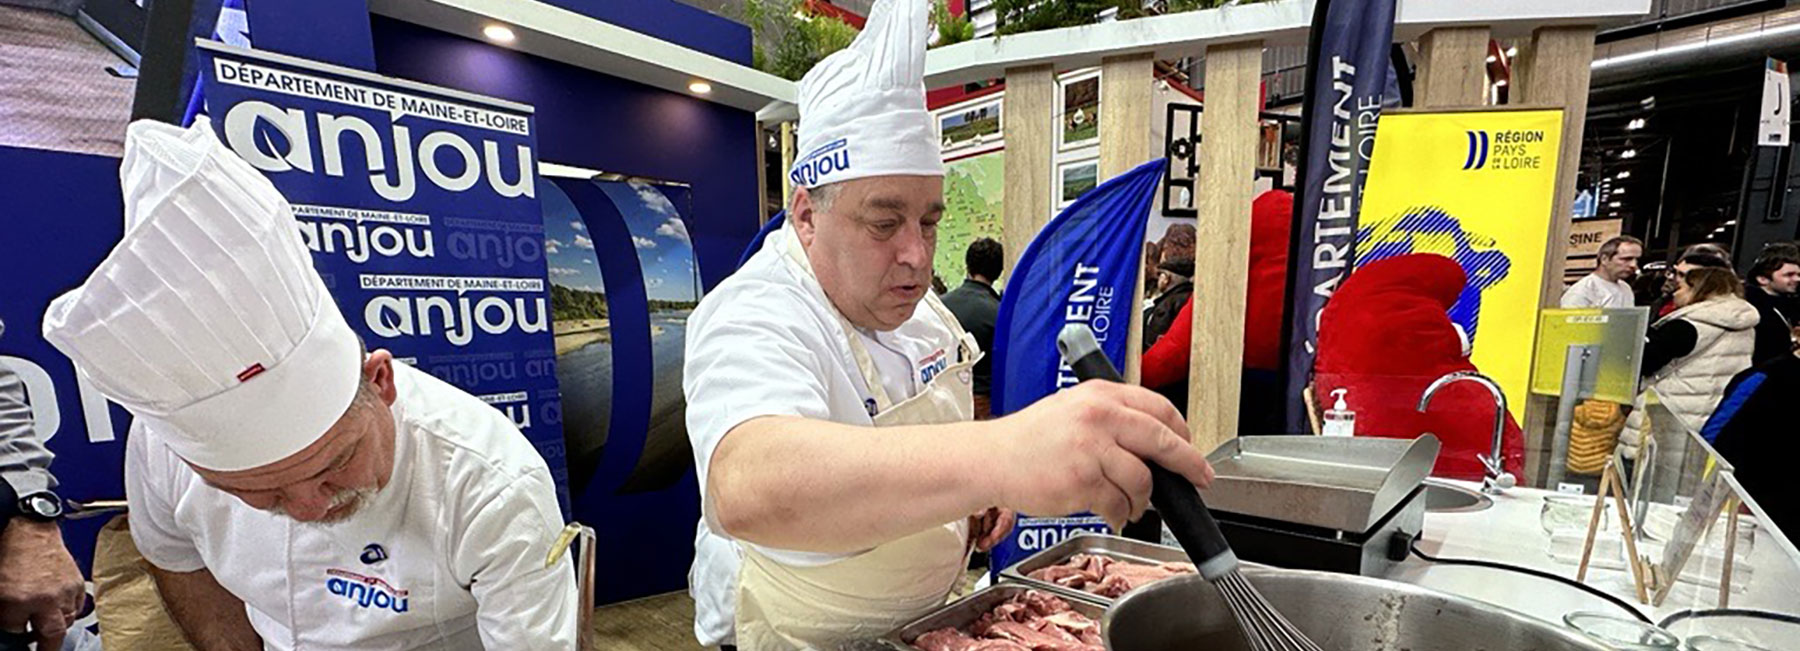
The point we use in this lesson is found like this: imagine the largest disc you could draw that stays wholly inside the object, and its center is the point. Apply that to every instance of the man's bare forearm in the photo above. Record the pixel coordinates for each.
(210, 617)
(810, 485)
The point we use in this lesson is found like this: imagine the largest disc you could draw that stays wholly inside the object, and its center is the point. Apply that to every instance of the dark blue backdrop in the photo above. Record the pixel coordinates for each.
(605, 123)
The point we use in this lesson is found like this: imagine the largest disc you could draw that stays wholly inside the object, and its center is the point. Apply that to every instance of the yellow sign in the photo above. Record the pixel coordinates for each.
(1614, 335)
(1477, 187)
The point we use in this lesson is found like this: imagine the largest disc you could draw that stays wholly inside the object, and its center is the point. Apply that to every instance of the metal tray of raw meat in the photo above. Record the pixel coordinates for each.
(963, 612)
(1114, 547)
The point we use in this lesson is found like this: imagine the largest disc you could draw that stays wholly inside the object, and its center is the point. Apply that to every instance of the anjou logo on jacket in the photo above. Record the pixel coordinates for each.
(366, 591)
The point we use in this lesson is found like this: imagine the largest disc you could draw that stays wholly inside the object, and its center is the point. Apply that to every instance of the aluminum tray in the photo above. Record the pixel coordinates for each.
(1124, 549)
(966, 610)
(1342, 484)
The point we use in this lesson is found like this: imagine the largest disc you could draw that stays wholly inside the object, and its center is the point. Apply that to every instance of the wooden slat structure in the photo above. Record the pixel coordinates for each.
(1030, 91)
(1125, 84)
(1222, 257)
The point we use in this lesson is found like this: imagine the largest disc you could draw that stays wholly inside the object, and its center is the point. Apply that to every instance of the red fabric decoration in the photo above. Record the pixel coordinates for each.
(1271, 216)
(1385, 336)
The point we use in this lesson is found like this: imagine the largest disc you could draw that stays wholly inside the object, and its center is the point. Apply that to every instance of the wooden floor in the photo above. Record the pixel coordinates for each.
(660, 623)
(55, 91)
(666, 622)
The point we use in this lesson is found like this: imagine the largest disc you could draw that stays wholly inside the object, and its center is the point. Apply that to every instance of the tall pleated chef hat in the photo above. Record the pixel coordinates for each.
(207, 320)
(862, 109)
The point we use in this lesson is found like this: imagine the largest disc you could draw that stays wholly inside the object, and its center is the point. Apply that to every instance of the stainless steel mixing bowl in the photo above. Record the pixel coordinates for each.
(1338, 611)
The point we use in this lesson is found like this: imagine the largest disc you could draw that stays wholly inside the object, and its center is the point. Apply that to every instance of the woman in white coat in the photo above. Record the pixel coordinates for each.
(1691, 354)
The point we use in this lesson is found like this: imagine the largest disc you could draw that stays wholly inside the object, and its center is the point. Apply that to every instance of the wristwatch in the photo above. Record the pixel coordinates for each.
(42, 506)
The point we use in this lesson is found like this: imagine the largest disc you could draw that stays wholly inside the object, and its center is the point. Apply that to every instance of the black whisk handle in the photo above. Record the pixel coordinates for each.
(1174, 497)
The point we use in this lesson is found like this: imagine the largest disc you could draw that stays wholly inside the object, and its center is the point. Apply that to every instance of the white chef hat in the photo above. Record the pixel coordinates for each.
(207, 320)
(862, 109)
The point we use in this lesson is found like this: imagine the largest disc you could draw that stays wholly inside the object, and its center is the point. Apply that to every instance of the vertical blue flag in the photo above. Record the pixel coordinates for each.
(1080, 268)
(232, 28)
(1348, 64)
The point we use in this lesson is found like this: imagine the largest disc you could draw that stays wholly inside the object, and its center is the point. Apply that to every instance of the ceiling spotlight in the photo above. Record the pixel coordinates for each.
(1619, 191)
(1616, 204)
(1492, 58)
(1730, 223)
(1613, 213)
(1625, 174)
(700, 88)
(1512, 51)
(1629, 153)
(1648, 102)
(498, 33)
(1635, 123)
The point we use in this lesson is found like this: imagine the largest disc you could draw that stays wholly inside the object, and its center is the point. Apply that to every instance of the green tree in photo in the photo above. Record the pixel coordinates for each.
(787, 42)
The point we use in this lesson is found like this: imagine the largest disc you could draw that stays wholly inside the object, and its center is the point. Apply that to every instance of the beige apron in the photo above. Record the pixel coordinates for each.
(786, 607)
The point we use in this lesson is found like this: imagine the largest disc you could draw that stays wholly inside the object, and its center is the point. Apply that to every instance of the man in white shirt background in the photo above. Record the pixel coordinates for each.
(1610, 283)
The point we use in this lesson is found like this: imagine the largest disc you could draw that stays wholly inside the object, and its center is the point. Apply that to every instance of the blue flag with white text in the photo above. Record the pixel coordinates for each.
(1081, 268)
(1349, 60)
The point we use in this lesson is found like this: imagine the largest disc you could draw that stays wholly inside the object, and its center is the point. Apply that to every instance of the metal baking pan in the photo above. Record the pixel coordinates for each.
(1115, 547)
(1339, 483)
(966, 610)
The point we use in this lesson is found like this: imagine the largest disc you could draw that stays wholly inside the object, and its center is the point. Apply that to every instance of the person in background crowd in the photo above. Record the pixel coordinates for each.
(1647, 288)
(977, 306)
(1772, 280)
(1177, 242)
(1697, 256)
(1752, 429)
(1174, 284)
(1610, 283)
(1691, 354)
(39, 583)
(1152, 257)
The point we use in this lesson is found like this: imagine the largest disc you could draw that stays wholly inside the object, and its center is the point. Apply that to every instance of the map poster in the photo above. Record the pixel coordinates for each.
(972, 200)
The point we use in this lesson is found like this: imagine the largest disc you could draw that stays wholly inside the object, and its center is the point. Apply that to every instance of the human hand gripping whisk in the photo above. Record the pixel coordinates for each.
(1179, 504)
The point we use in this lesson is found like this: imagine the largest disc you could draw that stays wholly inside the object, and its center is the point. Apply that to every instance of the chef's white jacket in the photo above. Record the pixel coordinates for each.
(766, 342)
(450, 555)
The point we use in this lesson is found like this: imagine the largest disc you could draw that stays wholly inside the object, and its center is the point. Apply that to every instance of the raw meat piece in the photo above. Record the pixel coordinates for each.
(1032, 621)
(1107, 577)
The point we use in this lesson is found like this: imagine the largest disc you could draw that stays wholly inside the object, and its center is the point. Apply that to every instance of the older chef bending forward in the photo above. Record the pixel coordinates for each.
(290, 491)
(831, 412)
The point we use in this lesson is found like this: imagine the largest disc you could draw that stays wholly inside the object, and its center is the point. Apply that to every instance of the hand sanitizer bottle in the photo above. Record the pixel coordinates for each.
(1339, 420)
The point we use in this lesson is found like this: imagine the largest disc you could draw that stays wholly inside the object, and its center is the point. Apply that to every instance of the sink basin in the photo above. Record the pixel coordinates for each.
(1444, 498)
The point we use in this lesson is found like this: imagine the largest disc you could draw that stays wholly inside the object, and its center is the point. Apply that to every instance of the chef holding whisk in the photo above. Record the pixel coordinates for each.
(828, 391)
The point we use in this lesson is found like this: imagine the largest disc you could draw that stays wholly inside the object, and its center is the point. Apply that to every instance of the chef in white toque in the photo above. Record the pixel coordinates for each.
(289, 490)
(828, 391)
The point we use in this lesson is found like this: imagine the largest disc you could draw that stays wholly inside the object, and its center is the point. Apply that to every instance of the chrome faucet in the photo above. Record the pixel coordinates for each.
(1496, 479)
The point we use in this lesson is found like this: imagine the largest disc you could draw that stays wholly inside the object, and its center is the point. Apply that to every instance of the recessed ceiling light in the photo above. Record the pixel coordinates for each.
(1619, 191)
(498, 33)
(1629, 153)
(1731, 223)
(1635, 123)
(1625, 174)
(1616, 204)
(700, 87)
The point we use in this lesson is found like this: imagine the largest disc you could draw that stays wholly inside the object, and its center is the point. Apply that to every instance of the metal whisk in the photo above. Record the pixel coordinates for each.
(1187, 517)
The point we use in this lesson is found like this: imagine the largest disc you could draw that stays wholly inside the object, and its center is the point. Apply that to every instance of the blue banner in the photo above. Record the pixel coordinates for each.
(1080, 268)
(420, 206)
(1349, 62)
